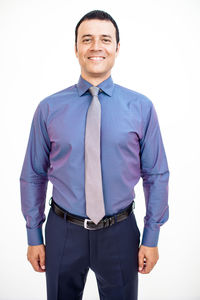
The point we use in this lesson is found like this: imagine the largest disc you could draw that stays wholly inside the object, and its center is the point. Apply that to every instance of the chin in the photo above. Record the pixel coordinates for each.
(96, 71)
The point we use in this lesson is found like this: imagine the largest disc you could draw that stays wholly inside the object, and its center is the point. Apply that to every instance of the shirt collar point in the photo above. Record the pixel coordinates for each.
(106, 86)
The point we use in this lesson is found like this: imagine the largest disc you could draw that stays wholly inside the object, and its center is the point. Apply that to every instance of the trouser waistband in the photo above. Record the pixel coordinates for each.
(89, 224)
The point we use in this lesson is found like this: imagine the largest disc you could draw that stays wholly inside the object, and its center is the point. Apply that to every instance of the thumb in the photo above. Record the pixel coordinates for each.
(140, 260)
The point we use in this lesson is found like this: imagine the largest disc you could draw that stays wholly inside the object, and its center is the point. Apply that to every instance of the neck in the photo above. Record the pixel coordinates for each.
(95, 80)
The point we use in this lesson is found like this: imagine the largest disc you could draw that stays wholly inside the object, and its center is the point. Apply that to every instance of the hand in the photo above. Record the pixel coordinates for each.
(36, 256)
(147, 258)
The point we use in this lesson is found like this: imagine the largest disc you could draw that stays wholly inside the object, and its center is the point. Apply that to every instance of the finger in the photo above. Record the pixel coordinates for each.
(42, 260)
(148, 267)
(35, 264)
(140, 261)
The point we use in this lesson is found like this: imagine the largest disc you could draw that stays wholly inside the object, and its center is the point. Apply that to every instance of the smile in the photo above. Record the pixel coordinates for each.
(96, 58)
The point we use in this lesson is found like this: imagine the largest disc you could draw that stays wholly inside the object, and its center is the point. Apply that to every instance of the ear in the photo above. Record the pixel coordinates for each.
(117, 51)
(76, 52)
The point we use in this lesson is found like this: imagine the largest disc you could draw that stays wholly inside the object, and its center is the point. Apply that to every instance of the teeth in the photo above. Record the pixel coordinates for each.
(96, 58)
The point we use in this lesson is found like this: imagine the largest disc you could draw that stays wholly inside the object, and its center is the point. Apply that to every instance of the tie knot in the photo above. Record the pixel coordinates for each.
(94, 90)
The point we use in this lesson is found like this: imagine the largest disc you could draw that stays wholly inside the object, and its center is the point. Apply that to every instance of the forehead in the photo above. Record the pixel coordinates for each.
(96, 27)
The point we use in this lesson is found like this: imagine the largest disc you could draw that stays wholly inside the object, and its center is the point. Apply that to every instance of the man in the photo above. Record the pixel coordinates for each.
(93, 141)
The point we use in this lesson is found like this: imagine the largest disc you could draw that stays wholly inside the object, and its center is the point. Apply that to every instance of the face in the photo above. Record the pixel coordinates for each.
(96, 48)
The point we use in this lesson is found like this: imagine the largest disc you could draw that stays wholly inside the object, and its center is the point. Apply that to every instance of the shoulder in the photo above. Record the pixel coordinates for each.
(53, 101)
(59, 95)
(133, 96)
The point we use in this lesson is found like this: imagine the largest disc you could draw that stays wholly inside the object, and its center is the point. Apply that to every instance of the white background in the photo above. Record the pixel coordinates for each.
(159, 57)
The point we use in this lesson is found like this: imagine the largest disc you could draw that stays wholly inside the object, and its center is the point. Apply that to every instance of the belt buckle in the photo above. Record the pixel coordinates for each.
(85, 224)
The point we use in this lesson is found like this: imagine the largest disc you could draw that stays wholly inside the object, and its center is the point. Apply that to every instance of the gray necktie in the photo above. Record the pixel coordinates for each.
(93, 178)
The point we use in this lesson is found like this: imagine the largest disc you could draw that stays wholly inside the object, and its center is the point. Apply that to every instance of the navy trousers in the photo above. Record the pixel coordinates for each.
(112, 253)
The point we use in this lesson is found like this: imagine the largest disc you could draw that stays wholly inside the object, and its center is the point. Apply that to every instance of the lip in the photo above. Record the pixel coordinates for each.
(89, 57)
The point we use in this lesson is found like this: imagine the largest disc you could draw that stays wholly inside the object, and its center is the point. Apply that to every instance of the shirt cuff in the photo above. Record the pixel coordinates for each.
(150, 237)
(34, 236)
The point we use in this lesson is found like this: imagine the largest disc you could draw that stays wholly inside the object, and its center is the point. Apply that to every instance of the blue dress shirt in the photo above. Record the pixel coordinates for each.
(131, 147)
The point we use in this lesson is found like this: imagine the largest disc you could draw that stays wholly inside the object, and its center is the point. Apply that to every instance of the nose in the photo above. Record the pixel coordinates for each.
(96, 44)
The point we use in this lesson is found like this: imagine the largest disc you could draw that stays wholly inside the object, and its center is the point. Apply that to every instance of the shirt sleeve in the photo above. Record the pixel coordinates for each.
(155, 175)
(34, 179)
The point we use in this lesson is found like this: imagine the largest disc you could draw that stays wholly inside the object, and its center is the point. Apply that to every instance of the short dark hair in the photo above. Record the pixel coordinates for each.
(99, 15)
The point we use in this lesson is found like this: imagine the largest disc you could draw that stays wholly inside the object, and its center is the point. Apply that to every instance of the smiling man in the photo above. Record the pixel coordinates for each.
(96, 49)
(94, 140)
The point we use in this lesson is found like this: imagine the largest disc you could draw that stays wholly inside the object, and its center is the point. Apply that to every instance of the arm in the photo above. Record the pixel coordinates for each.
(34, 179)
(155, 175)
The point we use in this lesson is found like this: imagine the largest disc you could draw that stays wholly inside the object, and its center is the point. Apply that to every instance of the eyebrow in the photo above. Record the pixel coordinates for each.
(104, 35)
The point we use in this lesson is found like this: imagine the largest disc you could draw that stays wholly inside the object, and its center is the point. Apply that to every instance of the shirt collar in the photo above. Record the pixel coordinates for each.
(106, 86)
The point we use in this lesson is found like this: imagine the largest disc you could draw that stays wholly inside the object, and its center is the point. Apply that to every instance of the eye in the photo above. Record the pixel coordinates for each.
(86, 40)
(106, 40)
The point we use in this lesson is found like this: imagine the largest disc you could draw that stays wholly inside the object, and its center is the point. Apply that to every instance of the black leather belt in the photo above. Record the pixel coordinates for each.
(87, 223)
